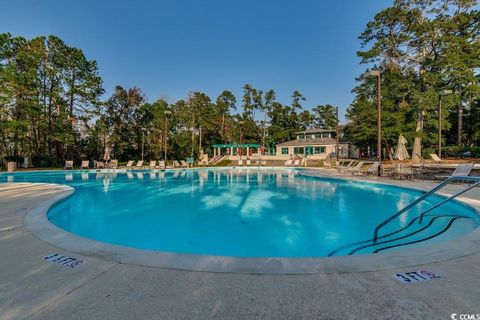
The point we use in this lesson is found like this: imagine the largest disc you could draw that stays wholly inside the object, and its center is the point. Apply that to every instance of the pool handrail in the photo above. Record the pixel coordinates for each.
(476, 181)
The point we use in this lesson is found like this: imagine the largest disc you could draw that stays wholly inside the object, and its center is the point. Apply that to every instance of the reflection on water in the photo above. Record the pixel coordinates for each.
(231, 211)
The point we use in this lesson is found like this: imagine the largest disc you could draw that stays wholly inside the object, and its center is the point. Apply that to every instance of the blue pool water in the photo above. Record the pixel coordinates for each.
(245, 212)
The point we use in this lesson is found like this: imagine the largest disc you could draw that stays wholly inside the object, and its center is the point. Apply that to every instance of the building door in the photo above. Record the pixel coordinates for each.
(308, 150)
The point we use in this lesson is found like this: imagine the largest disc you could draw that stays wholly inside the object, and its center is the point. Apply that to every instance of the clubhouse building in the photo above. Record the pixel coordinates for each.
(315, 143)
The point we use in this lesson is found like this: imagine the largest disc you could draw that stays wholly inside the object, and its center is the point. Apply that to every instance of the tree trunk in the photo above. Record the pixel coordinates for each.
(417, 143)
(223, 125)
(460, 124)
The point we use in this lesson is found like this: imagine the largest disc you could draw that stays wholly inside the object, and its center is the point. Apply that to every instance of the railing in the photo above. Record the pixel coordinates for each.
(216, 159)
(476, 183)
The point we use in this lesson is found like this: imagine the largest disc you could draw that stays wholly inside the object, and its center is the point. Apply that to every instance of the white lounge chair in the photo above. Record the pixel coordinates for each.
(152, 165)
(139, 164)
(463, 169)
(161, 164)
(435, 157)
(263, 162)
(240, 162)
(349, 166)
(68, 164)
(355, 169)
(100, 165)
(184, 164)
(114, 164)
(248, 162)
(129, 164)
(176, 164)
(296, 163)
(327, 164)
(288, 163)
(372, 169)
(85, 164)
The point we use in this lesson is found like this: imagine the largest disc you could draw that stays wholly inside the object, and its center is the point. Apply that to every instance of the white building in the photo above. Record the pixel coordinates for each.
(314, 143)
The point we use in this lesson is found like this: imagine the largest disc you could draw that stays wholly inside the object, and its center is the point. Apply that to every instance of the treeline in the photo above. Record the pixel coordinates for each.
(426, 51)
(52, 104)
(51, 109)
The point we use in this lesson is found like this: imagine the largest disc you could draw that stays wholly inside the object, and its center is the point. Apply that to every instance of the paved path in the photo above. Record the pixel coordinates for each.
(32, 288)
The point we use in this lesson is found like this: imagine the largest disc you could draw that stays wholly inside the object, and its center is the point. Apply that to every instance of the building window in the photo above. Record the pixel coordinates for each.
(284, 150)
(319, 150)
(322, 135)
(298, 150)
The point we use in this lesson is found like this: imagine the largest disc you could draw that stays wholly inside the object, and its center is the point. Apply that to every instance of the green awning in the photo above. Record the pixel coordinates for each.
(236, 145)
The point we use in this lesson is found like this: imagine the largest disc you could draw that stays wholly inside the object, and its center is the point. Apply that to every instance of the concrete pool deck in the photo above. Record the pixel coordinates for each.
(33, 288)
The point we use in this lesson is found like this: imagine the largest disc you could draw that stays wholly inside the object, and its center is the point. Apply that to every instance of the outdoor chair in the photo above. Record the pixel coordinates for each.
(344, 164)
(463, 169)
(85, 164)
(184, 164)
(240, 162)
(403, 172)
(129, 164)
(161, 164)
(69, 164)
(372, 170)
(114, 164)
(354, 169)
(139, 164)
(100, 165)
(288, 163)
(153, 164)
(248, 162)
(176, 164)
(327, 164)
(349, 166)
(435, 157)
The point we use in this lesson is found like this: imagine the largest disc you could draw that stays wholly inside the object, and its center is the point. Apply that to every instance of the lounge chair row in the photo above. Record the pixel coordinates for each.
(249, 162)
(359, 168)
(139, 165)
(86, 164)
(293, 163)
(153, 164)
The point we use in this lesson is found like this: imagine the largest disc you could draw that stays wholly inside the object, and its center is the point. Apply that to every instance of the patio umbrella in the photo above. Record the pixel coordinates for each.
(401, 152)
(106, 154)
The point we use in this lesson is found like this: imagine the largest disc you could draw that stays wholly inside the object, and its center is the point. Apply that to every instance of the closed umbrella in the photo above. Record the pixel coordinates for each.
(401, 153)
(106, 154)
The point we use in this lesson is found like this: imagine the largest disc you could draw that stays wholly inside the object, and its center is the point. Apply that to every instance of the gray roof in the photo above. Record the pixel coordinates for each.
(317, 130)
(310, 142)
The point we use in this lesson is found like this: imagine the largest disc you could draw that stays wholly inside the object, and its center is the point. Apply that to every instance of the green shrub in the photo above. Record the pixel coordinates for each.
(459, 152)
(223, 163)
(17, 159)
(44, 161)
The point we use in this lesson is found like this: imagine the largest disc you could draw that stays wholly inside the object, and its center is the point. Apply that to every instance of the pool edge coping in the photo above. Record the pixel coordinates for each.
(37, 223)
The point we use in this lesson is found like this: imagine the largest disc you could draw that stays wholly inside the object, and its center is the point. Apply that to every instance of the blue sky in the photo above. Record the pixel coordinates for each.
(169, 48)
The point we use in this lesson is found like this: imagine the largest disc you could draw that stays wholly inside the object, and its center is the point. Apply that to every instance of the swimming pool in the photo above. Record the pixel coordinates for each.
(246, 212)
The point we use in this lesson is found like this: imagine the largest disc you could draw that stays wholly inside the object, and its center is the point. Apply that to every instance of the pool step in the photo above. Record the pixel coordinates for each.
(411, 234)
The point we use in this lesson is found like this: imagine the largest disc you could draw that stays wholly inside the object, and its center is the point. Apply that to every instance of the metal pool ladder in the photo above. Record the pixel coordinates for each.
(475, 182)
